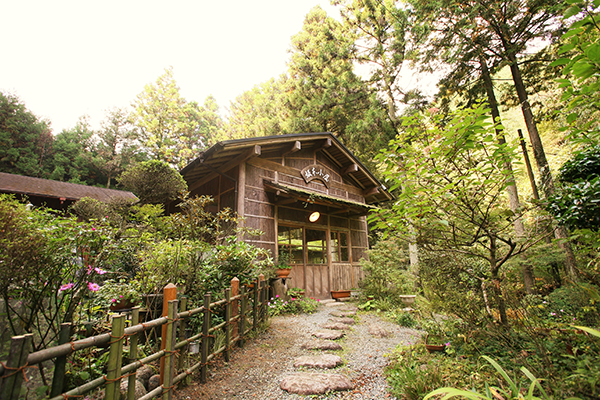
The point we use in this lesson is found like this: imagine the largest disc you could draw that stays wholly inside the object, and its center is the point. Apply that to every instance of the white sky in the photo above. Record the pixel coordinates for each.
(65, 59)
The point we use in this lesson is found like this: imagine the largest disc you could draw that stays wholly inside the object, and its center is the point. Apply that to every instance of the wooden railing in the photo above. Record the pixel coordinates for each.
(240, 319)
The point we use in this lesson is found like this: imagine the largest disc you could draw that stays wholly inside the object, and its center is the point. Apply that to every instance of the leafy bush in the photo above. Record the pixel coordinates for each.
(387, 271)
(279, 306)
(153, 182)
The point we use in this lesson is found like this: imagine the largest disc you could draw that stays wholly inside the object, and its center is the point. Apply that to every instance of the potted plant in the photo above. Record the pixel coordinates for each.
(408, 299)
(283, 265)
(296, 292)
(118, 294)
(340, 294)
(435, 338)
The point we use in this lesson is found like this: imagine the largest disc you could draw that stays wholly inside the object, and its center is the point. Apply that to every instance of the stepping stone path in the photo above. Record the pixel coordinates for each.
(305, 383)
(343, 320)
(319, 361)
(342, 314)
(378, 331)
(321, 345)
(337, 326)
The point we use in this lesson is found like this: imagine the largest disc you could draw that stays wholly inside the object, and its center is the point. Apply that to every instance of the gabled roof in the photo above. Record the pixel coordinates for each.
(27, 185)
(227, 154)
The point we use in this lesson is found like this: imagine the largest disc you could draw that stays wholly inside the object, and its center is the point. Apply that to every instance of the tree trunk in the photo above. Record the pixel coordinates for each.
(511, 188)
(496, 283)
(542, 163)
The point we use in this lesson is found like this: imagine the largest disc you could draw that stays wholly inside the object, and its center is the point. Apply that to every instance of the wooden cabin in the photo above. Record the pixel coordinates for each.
(277, 183)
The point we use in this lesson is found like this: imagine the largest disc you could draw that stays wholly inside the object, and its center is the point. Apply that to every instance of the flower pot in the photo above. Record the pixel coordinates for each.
(283, 273)
(122, 305)
(339, 294)
(432, 348)
(408, 299)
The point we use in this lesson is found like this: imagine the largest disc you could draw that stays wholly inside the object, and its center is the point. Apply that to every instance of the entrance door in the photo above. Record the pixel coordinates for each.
(306, 251)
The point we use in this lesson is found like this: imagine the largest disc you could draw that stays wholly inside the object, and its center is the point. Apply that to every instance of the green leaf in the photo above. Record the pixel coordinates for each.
(591, 331)
(573, 10)
(560, 61)
(593, 52)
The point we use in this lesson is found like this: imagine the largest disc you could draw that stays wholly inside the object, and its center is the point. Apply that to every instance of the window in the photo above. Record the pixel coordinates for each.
(289, 241)
(316, 246)
(339, 246)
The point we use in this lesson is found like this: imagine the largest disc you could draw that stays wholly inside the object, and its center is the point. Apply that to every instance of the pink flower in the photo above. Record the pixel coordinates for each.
(277, 296)
(66, 286)
(93, 286)
(120, 296)
(89, 269)
(93, 229)
(100, 271)
(113, 300)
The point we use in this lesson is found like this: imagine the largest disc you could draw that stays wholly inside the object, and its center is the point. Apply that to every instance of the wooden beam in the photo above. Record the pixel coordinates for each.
(326, 144)
(371, 191)
(350, 168)
(253, 152)
(297, 146)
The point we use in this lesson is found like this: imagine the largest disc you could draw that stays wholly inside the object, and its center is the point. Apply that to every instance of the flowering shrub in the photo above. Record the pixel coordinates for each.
(278, 306)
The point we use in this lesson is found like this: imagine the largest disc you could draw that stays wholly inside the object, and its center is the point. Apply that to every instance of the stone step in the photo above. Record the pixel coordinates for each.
(327, 301)
(343, 320)
(377, 331)
(321, 345)
(328, 334)
(319, 361)
(342, 314)
(336, 326)
(305, 383)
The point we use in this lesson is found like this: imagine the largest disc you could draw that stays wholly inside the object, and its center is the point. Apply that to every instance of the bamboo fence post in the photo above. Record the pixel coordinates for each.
(115, 357)
(58, 378)
(169, 293)
(227, 324)
(242, 321)
(20, 346)
(205, 338)
(235, 290)
(181, 360)
(255, 306)
(264, 315)
(133, 352)
(171, 340)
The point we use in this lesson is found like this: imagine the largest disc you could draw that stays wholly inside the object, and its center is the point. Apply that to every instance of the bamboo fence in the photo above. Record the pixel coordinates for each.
(244, 311)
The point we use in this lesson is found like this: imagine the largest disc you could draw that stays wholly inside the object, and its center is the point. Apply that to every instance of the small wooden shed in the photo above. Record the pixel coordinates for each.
(276, 183)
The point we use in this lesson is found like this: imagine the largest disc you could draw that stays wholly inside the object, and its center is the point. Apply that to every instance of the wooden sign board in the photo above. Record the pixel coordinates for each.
(318, 172)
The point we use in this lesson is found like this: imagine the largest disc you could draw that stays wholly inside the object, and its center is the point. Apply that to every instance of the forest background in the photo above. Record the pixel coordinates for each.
(512, 255)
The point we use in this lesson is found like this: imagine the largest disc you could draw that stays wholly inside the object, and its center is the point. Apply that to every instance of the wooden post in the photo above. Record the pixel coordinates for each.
(227, 324)
(20, 346)
(205, 338)
(255, 306)
(235, 290)
(171, 340)
(181, 361)
(133, 352)
(61, 362)
(169, 293)
(115, 358)
(262, 284)
(242, 321)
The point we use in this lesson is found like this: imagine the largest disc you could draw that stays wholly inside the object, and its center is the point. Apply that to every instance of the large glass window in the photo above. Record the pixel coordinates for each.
(339, 246)
(290, 242)
(316, 246)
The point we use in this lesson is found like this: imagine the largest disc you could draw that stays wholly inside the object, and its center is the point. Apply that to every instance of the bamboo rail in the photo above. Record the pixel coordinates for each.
(174, 344)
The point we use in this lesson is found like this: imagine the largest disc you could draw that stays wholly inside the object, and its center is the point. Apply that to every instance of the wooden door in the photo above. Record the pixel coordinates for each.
(316, 266)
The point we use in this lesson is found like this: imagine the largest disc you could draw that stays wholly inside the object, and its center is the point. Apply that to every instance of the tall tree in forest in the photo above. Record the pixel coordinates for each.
(115, 145)
(169, 126)
(258, 111)
(25, 140)
(72, 157)
(495, 32)
(323, 92)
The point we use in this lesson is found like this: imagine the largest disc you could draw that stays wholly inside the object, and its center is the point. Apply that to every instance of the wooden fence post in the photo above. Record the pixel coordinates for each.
(242, 321)
(183, 355)
(169, 293)
(115, 358)
(133, 352)
(227, 324)
(264, 295)
(255, 296)
(171, 340)
(235, 290)
(20, 346)
(58, 378)
(205, 338)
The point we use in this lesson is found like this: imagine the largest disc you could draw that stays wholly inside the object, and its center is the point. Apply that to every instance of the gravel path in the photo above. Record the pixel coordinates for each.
(256, 371)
